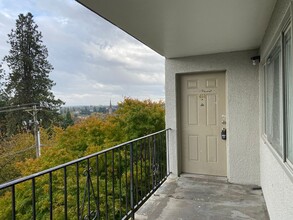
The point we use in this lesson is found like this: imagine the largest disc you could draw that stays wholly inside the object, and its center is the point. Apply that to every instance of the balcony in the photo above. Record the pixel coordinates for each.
(204, 197)
(116, 182)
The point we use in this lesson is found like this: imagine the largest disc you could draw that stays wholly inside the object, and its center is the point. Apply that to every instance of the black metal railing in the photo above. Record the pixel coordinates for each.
(110, 184)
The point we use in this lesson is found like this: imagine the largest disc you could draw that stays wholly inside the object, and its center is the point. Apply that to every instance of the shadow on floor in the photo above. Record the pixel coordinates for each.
(203, 198)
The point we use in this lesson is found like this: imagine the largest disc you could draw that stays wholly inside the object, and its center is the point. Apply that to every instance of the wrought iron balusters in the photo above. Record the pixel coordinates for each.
(88, 196)
(110, 184)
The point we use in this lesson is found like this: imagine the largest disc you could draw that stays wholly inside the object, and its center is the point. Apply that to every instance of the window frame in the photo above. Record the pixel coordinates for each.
(276, 51)
(285, 95)
(279, 38)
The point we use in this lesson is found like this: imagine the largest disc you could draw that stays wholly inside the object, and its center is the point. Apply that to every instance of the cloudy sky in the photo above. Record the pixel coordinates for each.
(93, 60)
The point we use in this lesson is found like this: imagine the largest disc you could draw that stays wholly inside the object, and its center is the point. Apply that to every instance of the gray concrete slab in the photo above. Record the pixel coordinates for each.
(203, 198)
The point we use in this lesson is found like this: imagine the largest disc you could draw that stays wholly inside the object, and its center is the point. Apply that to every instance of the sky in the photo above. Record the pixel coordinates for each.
(93, 60)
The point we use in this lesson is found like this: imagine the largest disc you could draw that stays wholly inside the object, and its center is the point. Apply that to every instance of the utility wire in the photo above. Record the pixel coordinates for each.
(25, 108)
(17, 152)
(19, 105)
(15, 109)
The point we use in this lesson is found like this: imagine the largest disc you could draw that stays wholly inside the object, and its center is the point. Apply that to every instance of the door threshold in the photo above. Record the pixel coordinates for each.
(205, 178)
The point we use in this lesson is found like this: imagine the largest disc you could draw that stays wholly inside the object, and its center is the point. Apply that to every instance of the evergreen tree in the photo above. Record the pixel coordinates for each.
(28, 78)
(67, 121)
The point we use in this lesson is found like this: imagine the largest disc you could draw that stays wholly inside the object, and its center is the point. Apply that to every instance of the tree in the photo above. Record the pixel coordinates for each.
(134, 118)
(28, 78)
(12, 150)
(67, 121)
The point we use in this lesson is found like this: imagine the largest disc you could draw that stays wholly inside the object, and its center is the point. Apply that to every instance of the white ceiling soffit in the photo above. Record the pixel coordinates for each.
(179, 28)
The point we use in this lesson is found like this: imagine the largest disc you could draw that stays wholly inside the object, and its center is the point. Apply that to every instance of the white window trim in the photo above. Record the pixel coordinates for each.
(281, 88)
(285, 25)
(289, 27)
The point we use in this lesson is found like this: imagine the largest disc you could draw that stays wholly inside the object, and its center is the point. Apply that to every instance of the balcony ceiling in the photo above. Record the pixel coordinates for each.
(179, 28)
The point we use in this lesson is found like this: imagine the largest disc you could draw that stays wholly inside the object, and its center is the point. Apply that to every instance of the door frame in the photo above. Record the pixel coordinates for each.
(178, 91)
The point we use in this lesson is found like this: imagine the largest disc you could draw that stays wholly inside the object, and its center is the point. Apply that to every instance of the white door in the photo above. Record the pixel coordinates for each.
(203, 116)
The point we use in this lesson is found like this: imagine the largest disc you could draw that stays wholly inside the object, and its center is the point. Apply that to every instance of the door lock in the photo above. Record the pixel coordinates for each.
(224, 134)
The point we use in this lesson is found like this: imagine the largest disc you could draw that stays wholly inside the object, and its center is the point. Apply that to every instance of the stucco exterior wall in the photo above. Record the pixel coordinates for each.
(275, 23)
(276, 185)
(242, 110)
(276, 178)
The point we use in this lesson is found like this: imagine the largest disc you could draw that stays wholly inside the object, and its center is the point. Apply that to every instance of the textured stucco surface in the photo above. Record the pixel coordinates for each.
(276, 182)
(274, 24)
(276, 185)
(242, 110)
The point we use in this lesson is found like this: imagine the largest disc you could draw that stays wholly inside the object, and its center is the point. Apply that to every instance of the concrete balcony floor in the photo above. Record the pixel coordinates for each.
(203, 198)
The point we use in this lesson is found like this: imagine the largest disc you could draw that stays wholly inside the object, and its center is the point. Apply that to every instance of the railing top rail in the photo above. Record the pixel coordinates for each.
(23, 179)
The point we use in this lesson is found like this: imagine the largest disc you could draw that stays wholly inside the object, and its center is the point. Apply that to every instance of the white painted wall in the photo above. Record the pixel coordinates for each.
(242, 90)
(276, 178)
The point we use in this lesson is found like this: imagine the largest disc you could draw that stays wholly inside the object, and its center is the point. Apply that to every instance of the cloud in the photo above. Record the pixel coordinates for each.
(93, 60)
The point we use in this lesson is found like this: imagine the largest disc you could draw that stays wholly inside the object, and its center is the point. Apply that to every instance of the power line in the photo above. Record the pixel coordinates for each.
(32, 110)
(15, 109)
(17, 152)
(19, 105)
(41, 104)
(24, 108)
